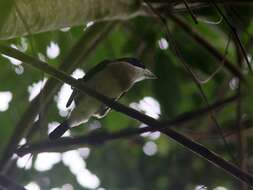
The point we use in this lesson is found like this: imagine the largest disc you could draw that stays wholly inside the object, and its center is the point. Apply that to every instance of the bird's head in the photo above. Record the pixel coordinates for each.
(134, 68)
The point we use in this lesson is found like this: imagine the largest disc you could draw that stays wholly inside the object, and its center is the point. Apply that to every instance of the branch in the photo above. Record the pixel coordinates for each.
(6, 183)
(84, 47)
(185, 117)
(221, 59)
(190, 12)
(96, 138)
(241, 137)
(196, 148)
(234, 32)
(213, 138)
(177, 52)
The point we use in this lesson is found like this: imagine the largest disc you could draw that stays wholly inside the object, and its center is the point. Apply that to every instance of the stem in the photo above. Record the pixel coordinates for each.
(98, 138)
(221, 59)
(241, 137)
(195, 147)
(235, 34)
(190, 12)
(177, 53)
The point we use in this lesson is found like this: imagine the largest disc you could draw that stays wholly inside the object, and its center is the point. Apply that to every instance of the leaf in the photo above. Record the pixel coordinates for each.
(5, 9)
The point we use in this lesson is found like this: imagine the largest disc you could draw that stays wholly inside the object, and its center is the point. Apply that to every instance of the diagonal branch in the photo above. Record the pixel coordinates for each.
(84, 47)
(235, 34)
(196, 148)
(221, 59)
(177, 52)
(190, 12)
(241, 137)
(95, 138)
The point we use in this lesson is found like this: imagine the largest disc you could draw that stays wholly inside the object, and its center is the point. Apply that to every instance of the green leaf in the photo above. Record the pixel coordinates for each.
(5, 9)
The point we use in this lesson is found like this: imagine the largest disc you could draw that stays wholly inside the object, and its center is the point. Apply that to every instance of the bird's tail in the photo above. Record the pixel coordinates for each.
(59, 131)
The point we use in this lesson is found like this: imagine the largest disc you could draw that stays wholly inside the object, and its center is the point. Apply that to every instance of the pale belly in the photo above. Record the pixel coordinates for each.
(89, 106)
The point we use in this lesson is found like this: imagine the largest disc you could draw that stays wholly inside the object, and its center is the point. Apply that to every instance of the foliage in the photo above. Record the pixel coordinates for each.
(125, 163)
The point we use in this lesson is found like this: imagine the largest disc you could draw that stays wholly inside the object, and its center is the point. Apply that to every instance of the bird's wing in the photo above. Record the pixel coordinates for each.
(75, 94)
(99, 67)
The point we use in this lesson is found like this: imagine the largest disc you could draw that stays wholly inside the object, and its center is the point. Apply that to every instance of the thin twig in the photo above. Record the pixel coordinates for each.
(234, 32)
(195, 147)
(199, 113)
(239, 20)
(210, 136)
(190, 12)
(209, 47)
(242, 138)
(177, 52)
(220, 67)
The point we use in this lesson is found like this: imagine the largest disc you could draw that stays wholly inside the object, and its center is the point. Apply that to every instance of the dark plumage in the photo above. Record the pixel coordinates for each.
(133, 61)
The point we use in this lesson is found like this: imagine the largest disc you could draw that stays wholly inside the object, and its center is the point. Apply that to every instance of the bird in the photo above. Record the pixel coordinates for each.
(112, 78)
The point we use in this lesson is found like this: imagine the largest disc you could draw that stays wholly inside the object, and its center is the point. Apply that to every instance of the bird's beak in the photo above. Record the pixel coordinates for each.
(149, 75)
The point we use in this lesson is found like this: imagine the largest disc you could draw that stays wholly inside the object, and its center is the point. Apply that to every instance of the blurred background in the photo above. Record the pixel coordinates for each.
(216, 43)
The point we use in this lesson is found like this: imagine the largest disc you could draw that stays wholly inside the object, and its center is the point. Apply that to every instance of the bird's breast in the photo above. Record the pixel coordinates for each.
(109, 84)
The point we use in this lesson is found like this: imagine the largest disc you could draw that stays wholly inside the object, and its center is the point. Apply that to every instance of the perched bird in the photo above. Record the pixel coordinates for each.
(111, 78)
